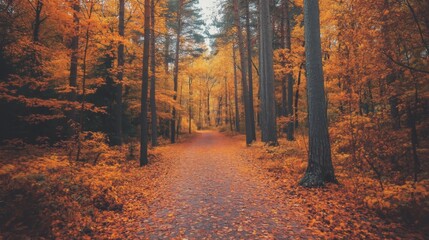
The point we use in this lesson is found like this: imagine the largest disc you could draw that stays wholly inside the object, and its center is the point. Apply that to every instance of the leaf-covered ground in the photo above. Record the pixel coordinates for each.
(213, 192)
(45, 195)
(220, 189)
(209, 187)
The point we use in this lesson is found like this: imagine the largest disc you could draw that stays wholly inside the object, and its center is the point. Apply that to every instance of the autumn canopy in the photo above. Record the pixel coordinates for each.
(220, 119)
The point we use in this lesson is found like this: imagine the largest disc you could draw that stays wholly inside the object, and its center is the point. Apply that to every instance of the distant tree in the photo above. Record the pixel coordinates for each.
(176, 71)
(189, 42)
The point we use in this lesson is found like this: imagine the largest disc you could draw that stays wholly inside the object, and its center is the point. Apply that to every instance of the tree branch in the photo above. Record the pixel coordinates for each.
(406, 66)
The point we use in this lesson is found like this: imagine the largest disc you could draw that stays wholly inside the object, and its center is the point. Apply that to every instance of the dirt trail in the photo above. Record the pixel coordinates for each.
(213, 193)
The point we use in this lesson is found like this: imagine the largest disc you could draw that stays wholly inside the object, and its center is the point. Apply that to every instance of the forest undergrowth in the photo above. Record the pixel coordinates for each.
(357, 207)
(46, 195)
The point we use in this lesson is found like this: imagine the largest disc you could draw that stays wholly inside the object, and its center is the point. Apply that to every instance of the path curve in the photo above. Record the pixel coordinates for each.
(212, 192)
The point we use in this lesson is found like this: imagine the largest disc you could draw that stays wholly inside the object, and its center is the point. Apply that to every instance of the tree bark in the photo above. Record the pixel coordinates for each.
(154, 117)
(176, 71)
(74, 47)
(190, 106)
(37, 20)
(208, 108)
(289, 76)
(83, 101)
(414, 141)
(297, 96)
(200, 109)
(179, 122)
(237, 113)
(226, 102)
(268, 104)
(165, 124)
(144, 88)
(250, 72)
(245, 87)
(319, 169)
(117, 139)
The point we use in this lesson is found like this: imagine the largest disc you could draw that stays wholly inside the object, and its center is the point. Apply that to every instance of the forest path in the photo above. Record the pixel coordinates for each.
(212, 192)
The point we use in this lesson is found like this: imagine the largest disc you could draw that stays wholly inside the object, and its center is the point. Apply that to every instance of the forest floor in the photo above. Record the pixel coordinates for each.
(218, 189)
(213, 192)
(210, 186)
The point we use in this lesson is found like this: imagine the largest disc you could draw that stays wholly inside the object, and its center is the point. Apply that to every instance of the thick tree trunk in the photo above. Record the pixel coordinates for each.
(154, 117)
(245, 87)
(268, 104)
(144, 91)
(319, 169)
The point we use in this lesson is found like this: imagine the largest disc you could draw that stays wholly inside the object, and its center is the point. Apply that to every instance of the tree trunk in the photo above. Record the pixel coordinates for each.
(154, 118)
(226, 103)
(414, 141)
(200, 117)
(190, 106)
(208, 109)
(176, 71)
(165, 124)
(394, 112)
(297, 95)
(283, 42)
(245, 87)
(219, 111)
(144, 91)
(83, 101)
(319, 169)
(231, 119)
(179, 122)
(117, 139)
(268, 104)
(250, 72)
(74, 47)
(37, 20)
(289, 76)
(237, 113)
